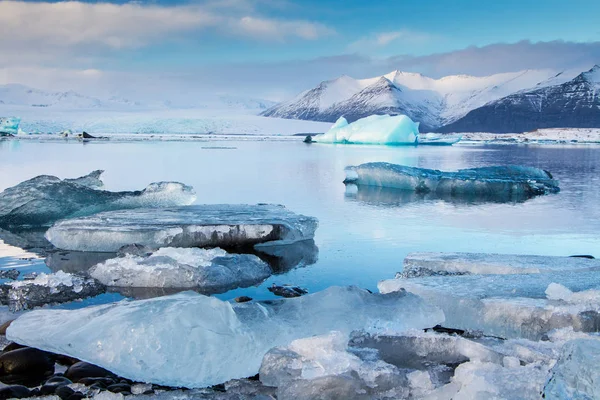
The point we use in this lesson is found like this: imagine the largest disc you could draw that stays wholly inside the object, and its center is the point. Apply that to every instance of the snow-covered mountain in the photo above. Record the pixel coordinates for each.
(20, 95)
(575, 103)
(433, 102)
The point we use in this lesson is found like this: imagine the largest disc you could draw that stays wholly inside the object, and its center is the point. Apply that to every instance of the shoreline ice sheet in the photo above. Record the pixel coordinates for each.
(218, 225)
(431, 264)
(191, 340)
(514, 305)
(374, 129)
(212, 270)
(42, 200)
(514, 182)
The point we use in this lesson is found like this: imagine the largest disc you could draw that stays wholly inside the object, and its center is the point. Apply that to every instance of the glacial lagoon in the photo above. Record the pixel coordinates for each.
(364, 234)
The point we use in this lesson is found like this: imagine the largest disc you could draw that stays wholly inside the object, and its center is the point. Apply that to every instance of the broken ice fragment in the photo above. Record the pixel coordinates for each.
(211, 270)
(192, 340)
(220, 225)
(42, 200)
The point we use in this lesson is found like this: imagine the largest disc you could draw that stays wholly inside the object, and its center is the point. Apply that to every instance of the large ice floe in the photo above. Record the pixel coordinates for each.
(9, 125)
(512, 182)
(212, 270)
(191, 340)
(522, 296)
(219, 225)
(374, 129)
(42, 200)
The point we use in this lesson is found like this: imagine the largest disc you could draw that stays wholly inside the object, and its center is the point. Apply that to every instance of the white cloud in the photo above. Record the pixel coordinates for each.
(383, 39)
(59, 28)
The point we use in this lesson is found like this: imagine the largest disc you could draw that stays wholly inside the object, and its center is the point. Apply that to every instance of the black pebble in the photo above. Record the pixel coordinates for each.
(26, 366)
(64, 392)
(75, 396)
(81, 370)
(243, 299)
(16, 391)
(119, 388)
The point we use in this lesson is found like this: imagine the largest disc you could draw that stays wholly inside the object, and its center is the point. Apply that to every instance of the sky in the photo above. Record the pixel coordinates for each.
(273, 49)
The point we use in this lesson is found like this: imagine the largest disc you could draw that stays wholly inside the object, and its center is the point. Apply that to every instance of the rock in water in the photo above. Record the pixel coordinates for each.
(60, 287)
(212, 270)
(45, 199)
(516, 182)
(219, 225)
(374, 129)
(26, 366)
(287, 291)
(191, 340)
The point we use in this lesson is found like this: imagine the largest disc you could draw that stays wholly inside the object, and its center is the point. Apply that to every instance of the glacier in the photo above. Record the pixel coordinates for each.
(374, 129)
(191, 340)
(512, 181)
(264, 226)
(9, 125)
(42, 200)
(211, 270)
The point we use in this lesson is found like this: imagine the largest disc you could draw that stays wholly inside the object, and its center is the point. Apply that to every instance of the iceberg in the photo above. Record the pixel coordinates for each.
(191, 340)
(42, 200)
(374, 129)
(432, 264)
(438, 139)
(211, 270)
(264, 226)
(9, 125)
(512, 181)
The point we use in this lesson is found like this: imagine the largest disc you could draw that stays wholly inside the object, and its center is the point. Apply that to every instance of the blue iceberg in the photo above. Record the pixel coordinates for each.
(9, 125)
(374, 129)
(512, 180)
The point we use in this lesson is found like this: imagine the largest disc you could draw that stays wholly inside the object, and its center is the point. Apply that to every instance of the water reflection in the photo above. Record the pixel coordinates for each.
(390, 197)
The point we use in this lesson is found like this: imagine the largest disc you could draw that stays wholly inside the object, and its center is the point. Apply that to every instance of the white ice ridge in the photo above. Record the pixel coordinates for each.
(374, 129)
(509, 305)
(219, 225)
(517, 181)
(430, 264)
(191, 340)
(213, 270)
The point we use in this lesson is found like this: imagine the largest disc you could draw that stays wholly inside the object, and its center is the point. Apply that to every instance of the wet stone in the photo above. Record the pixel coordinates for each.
(15, 391)
(243, 299)
(82, 369)
(119, 388)
(64, 392)
(26, 366)
(287, 291)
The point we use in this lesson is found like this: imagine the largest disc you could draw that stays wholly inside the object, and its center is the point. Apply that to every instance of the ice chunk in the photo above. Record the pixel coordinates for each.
(308, 365)
(513, 305)
(220, 225)
(212, 270)
(428, 264)
(192, 340)
(59, 287)
(516, 182)
(45, 199)
(9, 125)
(437, 139)
(576, 374)
(557, 291)
(374, 129)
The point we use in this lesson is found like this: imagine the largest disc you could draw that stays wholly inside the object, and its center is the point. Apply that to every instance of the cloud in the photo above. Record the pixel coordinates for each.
(384, 39)
(73, 26)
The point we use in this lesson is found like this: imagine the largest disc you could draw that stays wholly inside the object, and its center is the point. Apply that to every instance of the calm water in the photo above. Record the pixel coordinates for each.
(360, 239)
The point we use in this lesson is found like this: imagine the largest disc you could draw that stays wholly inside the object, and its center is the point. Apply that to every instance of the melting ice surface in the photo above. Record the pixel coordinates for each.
(220, 225)
(506, 181)
(169, 267)
(374, 129)
(192, 340)
(42, 200)
(9, 125)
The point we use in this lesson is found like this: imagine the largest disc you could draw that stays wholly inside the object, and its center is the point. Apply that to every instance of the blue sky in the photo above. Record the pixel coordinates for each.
(266, 41)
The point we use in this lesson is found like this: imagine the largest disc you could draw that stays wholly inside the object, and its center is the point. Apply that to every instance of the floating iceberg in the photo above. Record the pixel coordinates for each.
(515, 181)
(211, 270)
(45, 199)
(374, 129)
(220, 225)
(191, 340)
(60, 287)
(432, 264)
(9, 125)
(437, 139)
